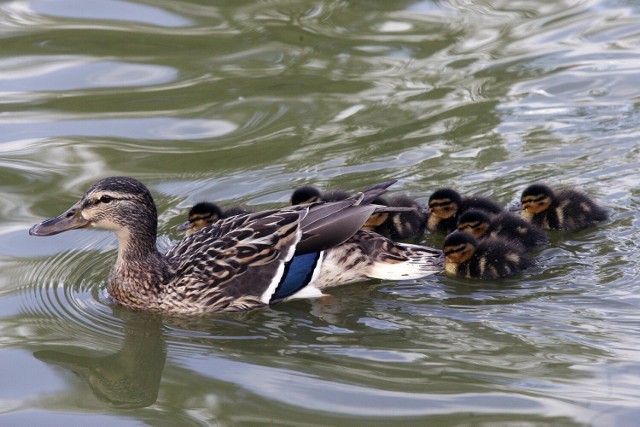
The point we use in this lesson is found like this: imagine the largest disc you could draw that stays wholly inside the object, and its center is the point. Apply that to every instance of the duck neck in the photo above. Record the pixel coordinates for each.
(140, 270)
(136, 245)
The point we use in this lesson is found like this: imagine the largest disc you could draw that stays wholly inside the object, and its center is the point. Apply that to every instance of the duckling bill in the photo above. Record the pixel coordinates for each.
(566, 209)
(241, 262)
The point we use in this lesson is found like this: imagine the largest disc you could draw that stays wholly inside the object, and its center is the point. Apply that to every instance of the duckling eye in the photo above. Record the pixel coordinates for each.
(106, 199)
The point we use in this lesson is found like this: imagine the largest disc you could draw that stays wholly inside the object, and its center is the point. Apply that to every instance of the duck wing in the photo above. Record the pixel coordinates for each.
(241, 262)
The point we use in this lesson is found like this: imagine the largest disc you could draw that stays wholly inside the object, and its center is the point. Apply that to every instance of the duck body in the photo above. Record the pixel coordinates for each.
(446, 205)
(238, 263)
(491, 258)
(505, 225)
(566, 209)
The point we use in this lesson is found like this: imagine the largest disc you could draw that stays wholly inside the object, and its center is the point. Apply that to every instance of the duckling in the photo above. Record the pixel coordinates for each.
(204, 213)
(446, 205)
(511, 227)
(400, 225)
(241, 262)
(562, 210)
(491, 258)
(309, 194)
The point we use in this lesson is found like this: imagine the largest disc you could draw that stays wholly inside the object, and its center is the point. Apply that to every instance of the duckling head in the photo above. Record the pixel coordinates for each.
(377, 218)
(536, 198)
(304, 195)
(474, 222)
(201, 215)
(458, 247)
(444, 203)
(120, 204)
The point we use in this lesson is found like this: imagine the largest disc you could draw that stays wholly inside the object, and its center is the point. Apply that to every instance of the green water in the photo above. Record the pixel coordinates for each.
(242, 101)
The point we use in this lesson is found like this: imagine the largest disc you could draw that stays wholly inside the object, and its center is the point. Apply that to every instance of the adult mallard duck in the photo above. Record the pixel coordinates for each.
(204, 213)
(242, 262)
(566, 209)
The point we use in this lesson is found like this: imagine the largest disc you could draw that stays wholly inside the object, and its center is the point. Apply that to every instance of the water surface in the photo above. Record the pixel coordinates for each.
(240, 102)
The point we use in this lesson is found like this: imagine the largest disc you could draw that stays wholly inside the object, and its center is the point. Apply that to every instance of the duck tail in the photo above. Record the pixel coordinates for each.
(402, 261)
(368, 255)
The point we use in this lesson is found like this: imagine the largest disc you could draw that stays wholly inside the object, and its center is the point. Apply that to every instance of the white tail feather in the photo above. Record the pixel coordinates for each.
(420, 262)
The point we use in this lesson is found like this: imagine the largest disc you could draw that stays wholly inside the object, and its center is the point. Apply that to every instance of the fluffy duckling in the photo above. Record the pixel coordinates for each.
(446, 205)
(205, 213)
(491, 258)
(401, 225)
(310, 194)
(479, 224)
(562, 210)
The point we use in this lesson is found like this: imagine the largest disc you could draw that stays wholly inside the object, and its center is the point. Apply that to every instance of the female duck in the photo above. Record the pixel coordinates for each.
(492, 258)
(506, 225)
(237, 263)
(563, 210)
(446, 206)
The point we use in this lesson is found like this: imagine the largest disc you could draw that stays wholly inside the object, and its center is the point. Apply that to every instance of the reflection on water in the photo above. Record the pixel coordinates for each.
(239, 102)
(128, 378)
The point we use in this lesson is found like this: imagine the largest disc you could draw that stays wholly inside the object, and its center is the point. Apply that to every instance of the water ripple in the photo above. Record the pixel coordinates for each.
(66, 73)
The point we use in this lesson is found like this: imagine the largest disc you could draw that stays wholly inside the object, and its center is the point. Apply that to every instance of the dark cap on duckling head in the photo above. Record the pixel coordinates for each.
(444, 202)
(200, 215)
(475, 222)
(536, 198)
(304, 195)
(459, 246)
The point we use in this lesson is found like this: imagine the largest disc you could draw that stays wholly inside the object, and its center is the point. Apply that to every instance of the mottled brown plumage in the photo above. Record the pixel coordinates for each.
(234, 264)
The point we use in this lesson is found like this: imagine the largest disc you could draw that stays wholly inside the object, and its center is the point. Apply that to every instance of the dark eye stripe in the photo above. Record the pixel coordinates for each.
(439, 204)
(449, 251)
(532, 199)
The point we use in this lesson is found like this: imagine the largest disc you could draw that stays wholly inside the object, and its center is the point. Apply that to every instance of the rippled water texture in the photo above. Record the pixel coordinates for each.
(241, 101)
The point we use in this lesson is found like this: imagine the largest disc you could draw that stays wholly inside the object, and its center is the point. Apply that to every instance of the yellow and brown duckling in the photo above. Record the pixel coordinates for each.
(402, 225)
(566, 209)
(506, 225)
(204, 213)
(491, 258)
(446, 206)
(241, 262)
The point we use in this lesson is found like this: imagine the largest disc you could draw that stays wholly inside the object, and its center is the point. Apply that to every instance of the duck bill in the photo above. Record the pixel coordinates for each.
(184, 226)
(69, 220)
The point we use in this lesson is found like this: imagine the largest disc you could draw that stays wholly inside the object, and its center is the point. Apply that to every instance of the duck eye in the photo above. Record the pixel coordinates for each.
(106, 199)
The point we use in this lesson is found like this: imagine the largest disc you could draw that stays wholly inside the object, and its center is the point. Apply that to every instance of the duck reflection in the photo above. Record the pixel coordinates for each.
(129, 378)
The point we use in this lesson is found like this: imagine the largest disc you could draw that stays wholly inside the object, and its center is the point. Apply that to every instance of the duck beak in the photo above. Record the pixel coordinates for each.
(184, 226)
(69, 220)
